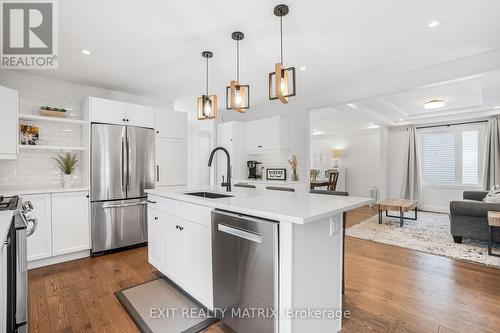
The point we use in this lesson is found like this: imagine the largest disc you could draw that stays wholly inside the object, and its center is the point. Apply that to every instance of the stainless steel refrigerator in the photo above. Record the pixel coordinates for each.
(122, 167)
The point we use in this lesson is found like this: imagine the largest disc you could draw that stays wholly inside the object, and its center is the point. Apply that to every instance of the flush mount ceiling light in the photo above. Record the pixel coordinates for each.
(303, 68)
(433, 24)
(282, 80)
(237, 95)
(434, 104)
(206, 105)
(85, 52)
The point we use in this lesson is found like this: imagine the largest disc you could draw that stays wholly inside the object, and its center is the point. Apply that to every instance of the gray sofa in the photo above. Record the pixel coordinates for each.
(469, 217)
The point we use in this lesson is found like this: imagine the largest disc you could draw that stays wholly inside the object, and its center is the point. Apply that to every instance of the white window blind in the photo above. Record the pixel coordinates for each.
(451, 156)
(439, 158)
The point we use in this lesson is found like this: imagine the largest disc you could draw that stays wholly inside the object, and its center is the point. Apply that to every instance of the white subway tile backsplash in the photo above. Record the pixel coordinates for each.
(37, 168)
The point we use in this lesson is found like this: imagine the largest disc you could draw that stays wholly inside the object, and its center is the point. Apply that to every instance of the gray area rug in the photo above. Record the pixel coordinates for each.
(159, 307)
(430, 234)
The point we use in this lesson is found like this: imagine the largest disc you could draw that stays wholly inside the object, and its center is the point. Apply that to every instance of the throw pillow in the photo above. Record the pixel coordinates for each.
(494, 195)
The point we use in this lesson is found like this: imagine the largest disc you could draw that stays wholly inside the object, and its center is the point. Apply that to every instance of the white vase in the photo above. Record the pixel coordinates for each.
(67, 181)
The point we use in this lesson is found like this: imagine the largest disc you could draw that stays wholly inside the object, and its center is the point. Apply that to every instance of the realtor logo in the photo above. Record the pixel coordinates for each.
(29, 38)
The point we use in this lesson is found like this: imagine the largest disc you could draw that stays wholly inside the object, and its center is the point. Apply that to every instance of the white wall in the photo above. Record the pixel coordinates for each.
(37, 168)
(361, 158)
(200, 144)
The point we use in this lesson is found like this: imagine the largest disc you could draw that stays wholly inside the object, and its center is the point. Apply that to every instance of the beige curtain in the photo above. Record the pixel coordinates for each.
(411, 176)
(491, 171)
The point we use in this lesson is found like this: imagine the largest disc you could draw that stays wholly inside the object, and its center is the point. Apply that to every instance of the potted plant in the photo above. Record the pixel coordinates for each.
(67, 165)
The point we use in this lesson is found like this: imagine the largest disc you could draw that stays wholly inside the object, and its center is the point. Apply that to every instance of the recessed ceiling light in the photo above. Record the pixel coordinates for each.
(433, 24)
(86, 52)
(434, 104)
(303, 68)
(317, 132)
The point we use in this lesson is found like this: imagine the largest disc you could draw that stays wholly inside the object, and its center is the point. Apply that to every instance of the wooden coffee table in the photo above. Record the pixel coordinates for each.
(493, 222)
(401, 205)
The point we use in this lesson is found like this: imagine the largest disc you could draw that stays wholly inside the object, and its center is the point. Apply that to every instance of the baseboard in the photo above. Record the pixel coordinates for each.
(58, 259)
(436, 209)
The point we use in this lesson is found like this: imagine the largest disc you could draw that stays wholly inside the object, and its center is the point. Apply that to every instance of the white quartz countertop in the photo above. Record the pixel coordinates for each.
(5, 221)
(291, 207)
(40, 190)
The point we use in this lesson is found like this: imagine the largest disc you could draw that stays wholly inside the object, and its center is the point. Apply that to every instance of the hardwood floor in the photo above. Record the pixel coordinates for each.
(388, 289)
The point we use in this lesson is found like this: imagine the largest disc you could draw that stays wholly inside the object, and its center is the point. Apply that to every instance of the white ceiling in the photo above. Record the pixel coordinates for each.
(153, 47)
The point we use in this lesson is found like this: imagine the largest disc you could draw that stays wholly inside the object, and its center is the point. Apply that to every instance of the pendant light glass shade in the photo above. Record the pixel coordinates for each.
(206, 105)
(237, 95)
(282, 81)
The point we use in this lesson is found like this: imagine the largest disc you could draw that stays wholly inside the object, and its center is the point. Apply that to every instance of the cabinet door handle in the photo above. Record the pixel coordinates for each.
(156, 217)
(151, 201)
(157, 173)
(259, 146)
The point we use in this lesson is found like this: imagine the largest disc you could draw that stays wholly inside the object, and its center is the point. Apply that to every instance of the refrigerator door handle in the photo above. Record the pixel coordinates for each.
(143, 203)
(128, 162)
(123, 165)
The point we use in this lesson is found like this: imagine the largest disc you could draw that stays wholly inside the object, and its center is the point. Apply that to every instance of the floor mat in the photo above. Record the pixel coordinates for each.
(159, 307)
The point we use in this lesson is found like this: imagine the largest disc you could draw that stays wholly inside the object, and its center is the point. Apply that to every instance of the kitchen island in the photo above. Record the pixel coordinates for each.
(309, 251)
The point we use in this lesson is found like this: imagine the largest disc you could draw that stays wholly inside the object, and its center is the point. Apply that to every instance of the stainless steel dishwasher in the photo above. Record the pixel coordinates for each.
(245, 271)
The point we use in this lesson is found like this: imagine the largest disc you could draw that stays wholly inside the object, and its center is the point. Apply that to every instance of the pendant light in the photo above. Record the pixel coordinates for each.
(282, 80)
(206, 105)
(237, 95)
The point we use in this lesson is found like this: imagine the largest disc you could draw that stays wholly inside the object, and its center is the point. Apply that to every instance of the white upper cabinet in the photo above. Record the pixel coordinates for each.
(120, 113)
(106, 111)
(170, 124)
(231, 135)
(267, 135)
(139, 115)
(8, 125)
(70, 222)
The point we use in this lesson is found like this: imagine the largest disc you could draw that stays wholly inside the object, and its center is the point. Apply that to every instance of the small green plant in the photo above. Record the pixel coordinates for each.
(66, 163)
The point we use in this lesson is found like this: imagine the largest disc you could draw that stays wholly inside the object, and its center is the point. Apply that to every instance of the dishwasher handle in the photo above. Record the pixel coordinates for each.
(253, 237)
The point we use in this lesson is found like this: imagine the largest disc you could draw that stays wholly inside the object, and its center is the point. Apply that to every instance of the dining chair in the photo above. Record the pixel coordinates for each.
(313, 174)
(278, 188)
(344, 219)
(332, 180)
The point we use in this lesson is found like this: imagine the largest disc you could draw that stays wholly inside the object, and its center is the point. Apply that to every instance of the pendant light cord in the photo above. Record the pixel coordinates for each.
(207, 80)
(281, 38)
(238, 61)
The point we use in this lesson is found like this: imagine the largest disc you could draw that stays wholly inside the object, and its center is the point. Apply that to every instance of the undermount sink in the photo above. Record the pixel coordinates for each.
(209, 195)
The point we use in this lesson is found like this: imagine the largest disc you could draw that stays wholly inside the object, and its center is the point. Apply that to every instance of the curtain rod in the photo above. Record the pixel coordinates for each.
(454, 124)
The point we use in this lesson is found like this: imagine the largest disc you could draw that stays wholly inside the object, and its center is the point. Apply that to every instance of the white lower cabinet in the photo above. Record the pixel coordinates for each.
(70, 223)
(172, 247)
(197, 261)
(154, 237)
(63, 227)
(185, 246)
(40, 242)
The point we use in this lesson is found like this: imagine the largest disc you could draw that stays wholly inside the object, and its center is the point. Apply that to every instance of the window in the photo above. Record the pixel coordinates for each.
(451, 155)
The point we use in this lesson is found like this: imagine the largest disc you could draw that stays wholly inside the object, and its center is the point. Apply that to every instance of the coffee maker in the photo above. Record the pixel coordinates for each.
(254, 169)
